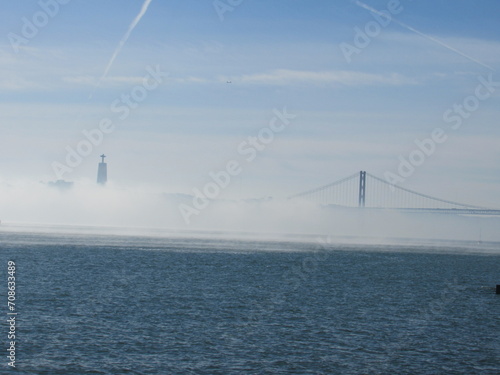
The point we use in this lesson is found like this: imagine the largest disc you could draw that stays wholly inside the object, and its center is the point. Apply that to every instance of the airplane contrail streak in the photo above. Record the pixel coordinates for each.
(125, 37)
(428, 37)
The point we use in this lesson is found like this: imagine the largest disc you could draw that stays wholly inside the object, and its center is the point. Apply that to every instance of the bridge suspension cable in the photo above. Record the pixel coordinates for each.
(414, 195)
(324, 187)
(366, 190)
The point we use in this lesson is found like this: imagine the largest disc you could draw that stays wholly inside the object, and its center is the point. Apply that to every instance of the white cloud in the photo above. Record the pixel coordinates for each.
(108, 81)
(17, 83)
(81, 80)
(191, 79)
(342, 77)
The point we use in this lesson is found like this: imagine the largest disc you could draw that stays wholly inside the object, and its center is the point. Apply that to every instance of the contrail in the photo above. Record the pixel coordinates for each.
(125, 38)
(369, 8)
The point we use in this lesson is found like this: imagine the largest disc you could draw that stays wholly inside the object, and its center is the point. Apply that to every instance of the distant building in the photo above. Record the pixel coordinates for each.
(61, 184)
(102, 172)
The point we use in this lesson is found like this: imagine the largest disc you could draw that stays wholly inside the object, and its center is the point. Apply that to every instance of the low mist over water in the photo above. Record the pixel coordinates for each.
(124, 206)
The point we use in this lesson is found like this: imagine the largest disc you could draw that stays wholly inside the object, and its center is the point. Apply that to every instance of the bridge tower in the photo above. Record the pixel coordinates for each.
(362, 188)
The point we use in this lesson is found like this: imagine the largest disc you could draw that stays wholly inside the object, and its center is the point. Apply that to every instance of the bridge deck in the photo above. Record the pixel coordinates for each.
(453, 211)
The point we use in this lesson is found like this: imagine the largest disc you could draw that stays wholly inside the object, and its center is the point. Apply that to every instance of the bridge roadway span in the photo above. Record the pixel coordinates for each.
(452, 211)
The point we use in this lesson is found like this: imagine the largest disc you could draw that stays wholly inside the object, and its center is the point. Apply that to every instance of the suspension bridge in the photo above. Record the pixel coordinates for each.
(365, 190)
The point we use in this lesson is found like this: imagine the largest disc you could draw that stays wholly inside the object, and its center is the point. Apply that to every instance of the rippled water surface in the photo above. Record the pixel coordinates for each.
(137, 305)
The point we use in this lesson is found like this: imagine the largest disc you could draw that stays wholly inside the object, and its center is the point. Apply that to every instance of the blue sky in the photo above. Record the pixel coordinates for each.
(351, 116)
